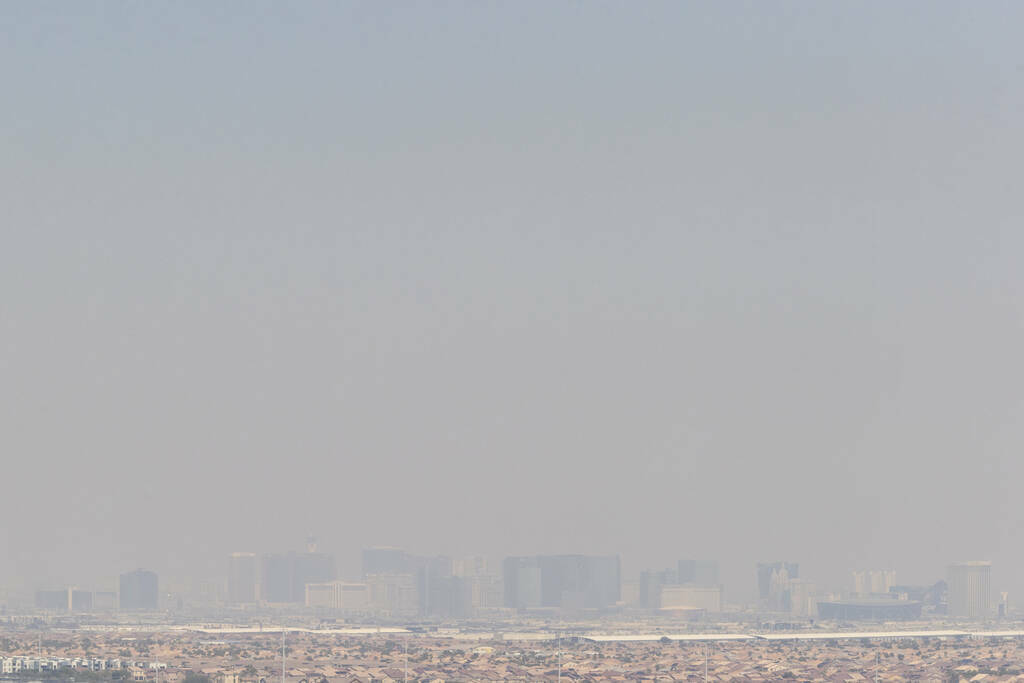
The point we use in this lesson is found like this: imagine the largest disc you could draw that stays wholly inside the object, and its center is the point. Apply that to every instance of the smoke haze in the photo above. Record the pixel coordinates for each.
(739, 281)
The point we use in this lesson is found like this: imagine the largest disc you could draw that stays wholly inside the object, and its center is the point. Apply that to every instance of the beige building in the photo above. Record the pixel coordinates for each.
(970, 589)
(708, 598)
(876, 581)
(338, 595)
(802, 598)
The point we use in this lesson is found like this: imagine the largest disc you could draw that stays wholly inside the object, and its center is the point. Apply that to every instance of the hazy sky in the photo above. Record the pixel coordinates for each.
(665, 279)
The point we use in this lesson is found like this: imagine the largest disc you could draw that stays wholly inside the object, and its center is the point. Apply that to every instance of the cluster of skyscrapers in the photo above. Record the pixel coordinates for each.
(395, 583)
(692, 584)
(398, 583)
(279, 578)
(561, 581)
(138, 590)
(875, 595)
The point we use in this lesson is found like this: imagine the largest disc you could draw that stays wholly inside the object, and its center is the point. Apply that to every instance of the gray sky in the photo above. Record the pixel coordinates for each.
(683, 279)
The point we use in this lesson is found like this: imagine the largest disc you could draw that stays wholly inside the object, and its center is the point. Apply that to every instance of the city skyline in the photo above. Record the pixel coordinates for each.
(396, 582)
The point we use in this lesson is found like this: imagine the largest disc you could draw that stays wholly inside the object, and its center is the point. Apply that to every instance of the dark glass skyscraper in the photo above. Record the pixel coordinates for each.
(386, 561)
(310, 568)
(650, 586)
(285, 575)
(276, 579)
(699, 572)
(139, 590)
(568, 581)
(521, 580)
(241, 578)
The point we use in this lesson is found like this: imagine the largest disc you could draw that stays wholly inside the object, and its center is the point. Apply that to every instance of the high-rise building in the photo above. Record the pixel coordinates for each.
(483, 588)
(877, 581)
(275, 578)
(436, 590)
(242, 578)
(970, 589)
(567, 581)
(882, 580)
(773, 583)
(284, 576)
(67, 599)
(434, 585)
(81, 601)
(139, 589)
(765, 572)
(54, 599)
(651, 583)
(521, 579)
(579, 581)
(802, 602)
(698, 572)
(385, 560)
(310, 567)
